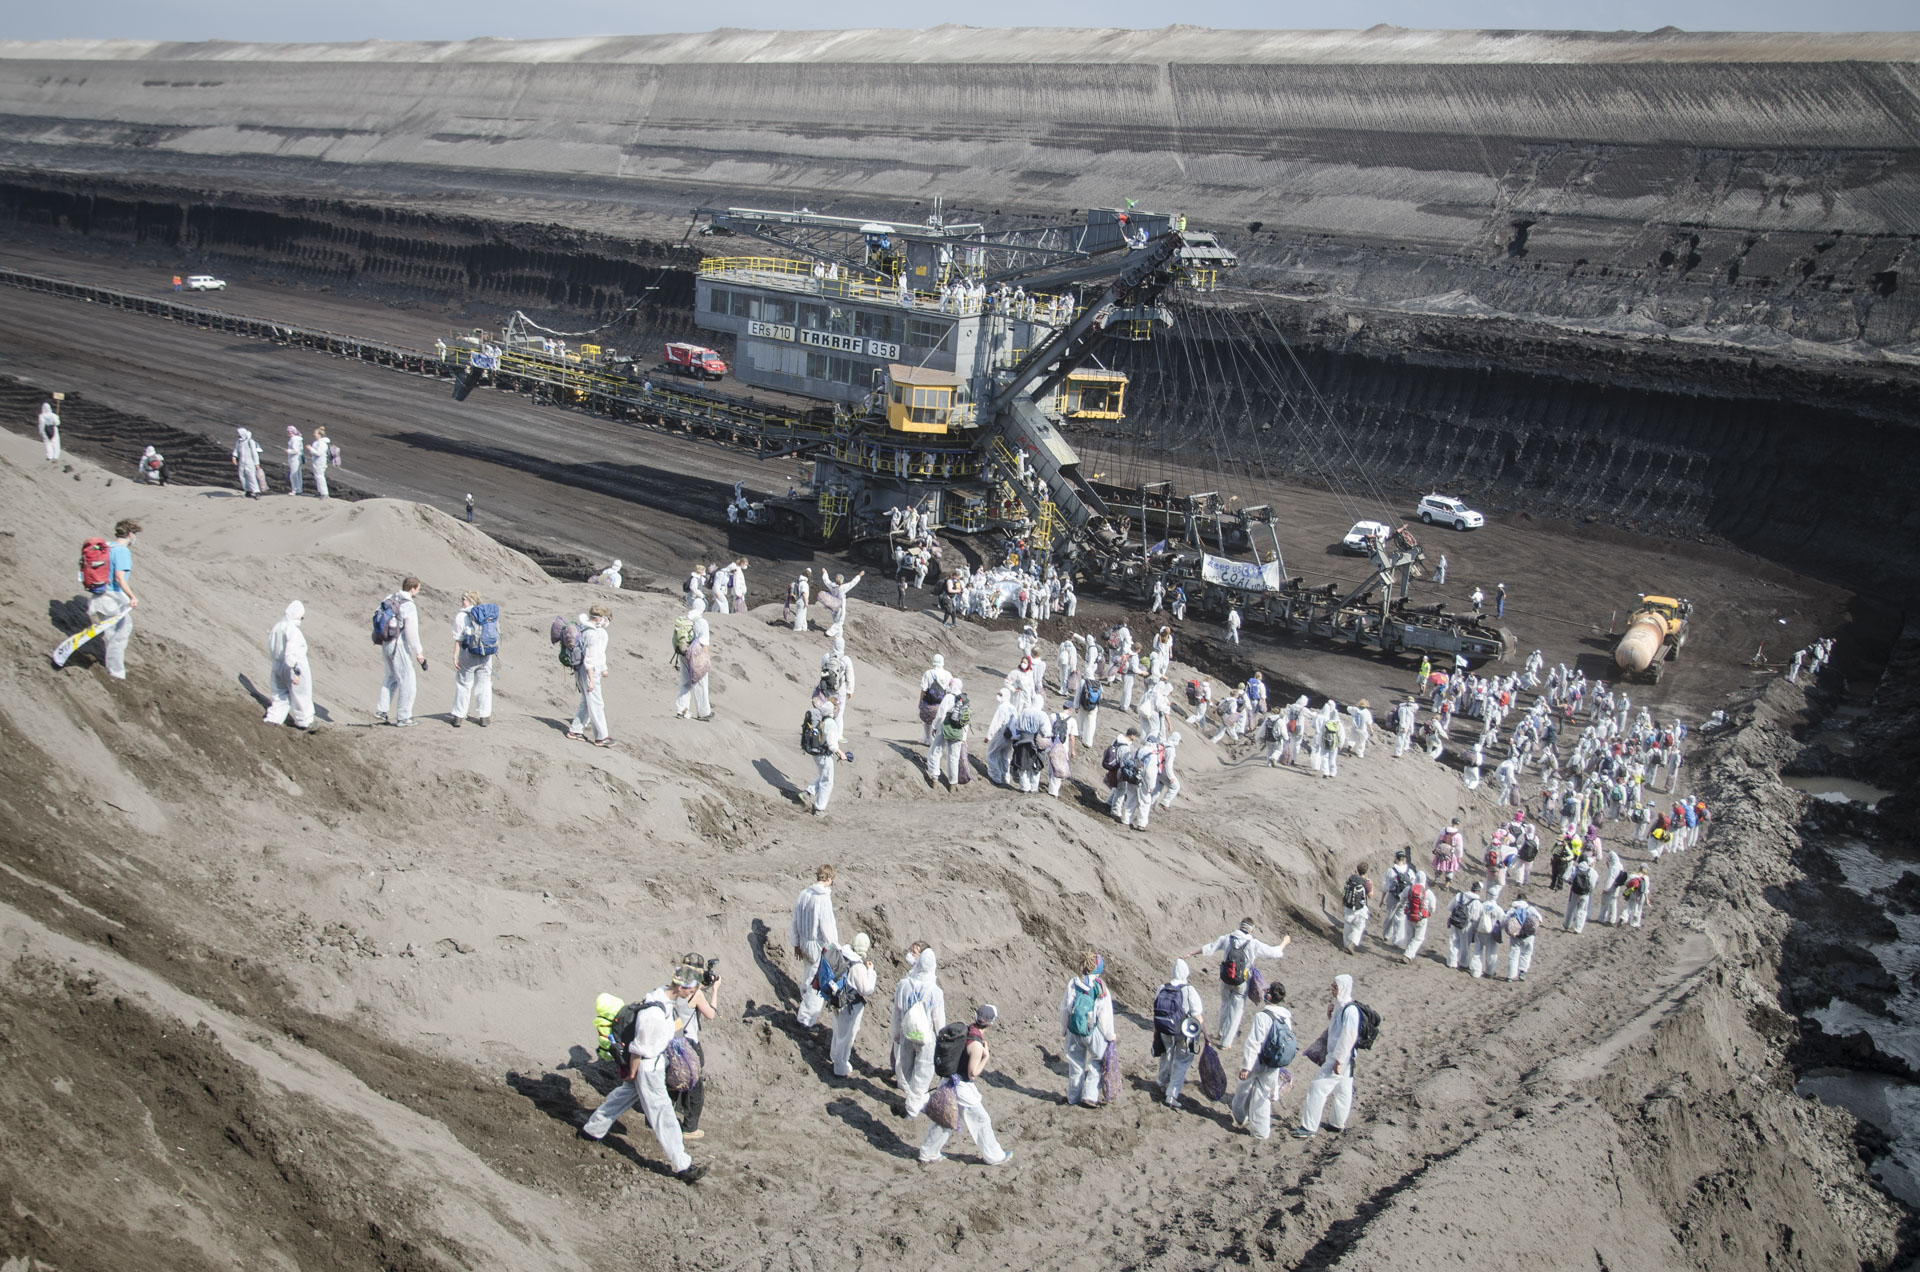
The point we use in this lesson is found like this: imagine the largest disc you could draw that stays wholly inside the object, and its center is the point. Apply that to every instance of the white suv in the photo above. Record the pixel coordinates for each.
(206, 282)
(1450, 512)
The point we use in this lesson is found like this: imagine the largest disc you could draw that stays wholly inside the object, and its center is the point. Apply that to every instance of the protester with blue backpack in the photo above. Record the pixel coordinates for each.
(396, 632)
(476, 639)
(1179, 1025)
(1264, 1076)
(1086, 1028)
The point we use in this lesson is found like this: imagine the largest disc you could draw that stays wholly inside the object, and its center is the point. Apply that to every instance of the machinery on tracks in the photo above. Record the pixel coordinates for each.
(936, 367)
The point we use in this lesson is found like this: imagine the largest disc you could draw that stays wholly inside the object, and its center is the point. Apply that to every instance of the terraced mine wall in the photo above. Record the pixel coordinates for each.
(1803, 462)
(1664, 281)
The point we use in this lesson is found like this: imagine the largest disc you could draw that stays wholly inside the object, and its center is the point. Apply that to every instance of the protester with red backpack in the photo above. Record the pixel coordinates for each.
(1419, 908)
(1239, 950)
(111, 585)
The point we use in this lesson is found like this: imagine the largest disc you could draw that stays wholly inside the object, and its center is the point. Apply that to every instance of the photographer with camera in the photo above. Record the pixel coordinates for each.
(640, 1052)
(703, 976)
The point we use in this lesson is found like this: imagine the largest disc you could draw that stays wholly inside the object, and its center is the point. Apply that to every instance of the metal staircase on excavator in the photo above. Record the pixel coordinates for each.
(1044, 513)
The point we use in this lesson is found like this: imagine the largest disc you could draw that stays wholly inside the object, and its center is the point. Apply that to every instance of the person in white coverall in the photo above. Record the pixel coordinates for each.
(590, 677)
(944, 753)
(863, 980)
(609, 577)
(973, 1113)
(820, 792)
(837, 656)
(1252, 1105)
(318, 452)
(401, 652)
(1177, 1051)
(1463, 914)
(811, 930)
(1245, 950)
(696, 667)
(290, 674)
(296, 452)
(246, 458)
(1085, 1052)
(1331, 1091)
(802, 590)
(645, 1081)
(919, 1008)
(49, 426)
(472, 673)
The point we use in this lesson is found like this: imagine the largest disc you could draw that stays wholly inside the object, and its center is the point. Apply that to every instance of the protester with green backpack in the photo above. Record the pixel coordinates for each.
(1086, 1028)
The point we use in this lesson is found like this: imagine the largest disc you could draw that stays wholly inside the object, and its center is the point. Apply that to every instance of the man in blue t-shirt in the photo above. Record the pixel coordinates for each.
(118, 599)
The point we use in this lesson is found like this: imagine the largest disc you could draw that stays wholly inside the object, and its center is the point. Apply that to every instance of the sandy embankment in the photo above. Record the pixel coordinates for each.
(282, 1000)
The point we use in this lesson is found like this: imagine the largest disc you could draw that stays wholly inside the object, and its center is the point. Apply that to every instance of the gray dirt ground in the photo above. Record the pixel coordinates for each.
(280, 1001)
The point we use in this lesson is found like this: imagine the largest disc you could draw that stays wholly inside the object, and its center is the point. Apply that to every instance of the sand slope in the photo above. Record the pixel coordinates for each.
(282, 1000)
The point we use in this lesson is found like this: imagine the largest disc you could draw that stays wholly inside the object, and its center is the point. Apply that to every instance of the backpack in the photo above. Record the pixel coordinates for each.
(950, 1048)
(95, 571)
(1529, 850)
(810, 732)
(1169, 1010)
(916, 1022)
(1193, 693)
(1355, 894)
(1493, 858)
(1419, 903)
(483, 631)
(832, 675)
(1130, 768)
(1513, 926)
(682, 636)
(386, 622)
(834, 979)
(1369, 1027)
(1089, 695)
(1581, 884)
(1110, 758)
(1086, 1000)
(567, 636)
(620, 1033)
(1487, 920)
(1279, 1047)
(956, 721)
(1636, 884)
(1330, 732)
(1234, 970)
(1531, 927)
(1457, 916)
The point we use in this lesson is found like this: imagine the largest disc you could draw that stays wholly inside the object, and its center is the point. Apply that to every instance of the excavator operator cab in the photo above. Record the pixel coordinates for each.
(1094, 394)
(924, 401)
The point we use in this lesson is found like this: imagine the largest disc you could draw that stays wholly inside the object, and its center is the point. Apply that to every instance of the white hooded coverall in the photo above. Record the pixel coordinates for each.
(846, 1020)
(1248, 950)
(472, 674)
(590, 717)
(1253, 1099)
(1334, 1083)
(913, 1061)
(1178, 1056)
(653, 1031)
(1085, 1054)
(813, 929)
(401, 653)
(289, 673)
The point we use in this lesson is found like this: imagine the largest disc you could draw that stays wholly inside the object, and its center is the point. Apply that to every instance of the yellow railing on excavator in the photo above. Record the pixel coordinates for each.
(833, 509)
